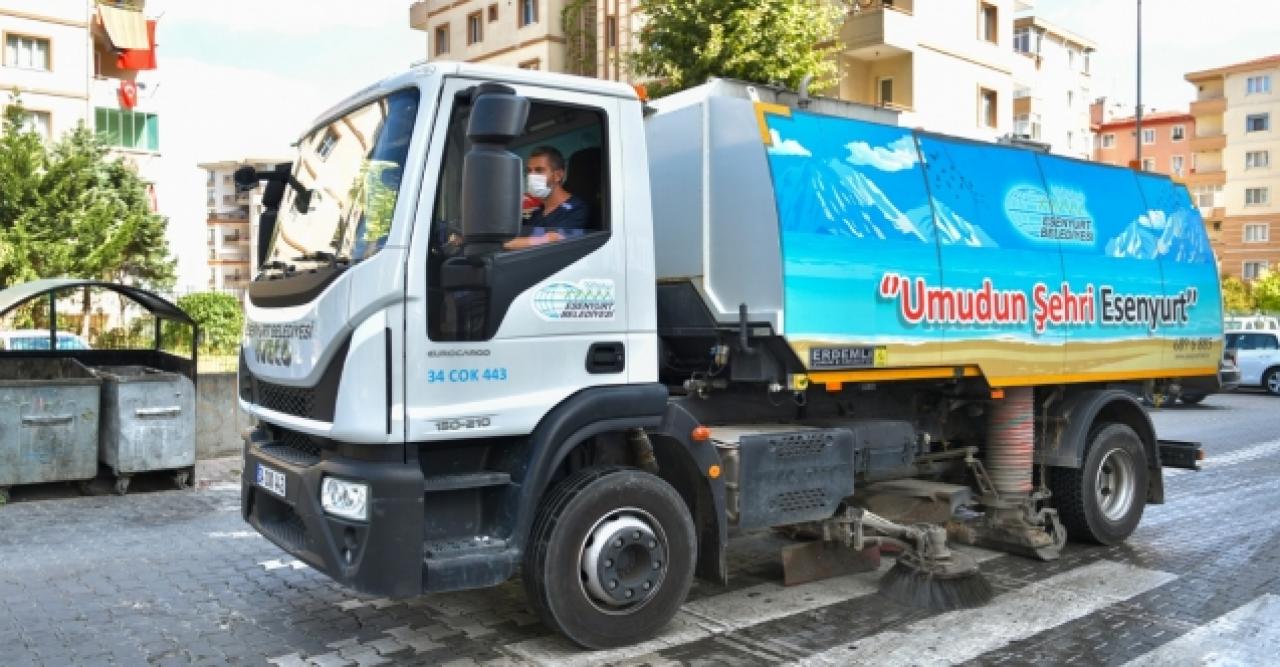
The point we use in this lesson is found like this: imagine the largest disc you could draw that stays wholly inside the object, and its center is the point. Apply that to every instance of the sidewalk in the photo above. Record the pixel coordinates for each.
(222, 470)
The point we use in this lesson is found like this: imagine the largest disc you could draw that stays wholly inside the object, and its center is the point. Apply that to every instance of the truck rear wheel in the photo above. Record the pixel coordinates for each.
(610, 557)
(1102, 500)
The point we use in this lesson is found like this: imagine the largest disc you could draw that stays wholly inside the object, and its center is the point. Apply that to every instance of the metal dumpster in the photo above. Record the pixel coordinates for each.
(48, 422)
(148, 423)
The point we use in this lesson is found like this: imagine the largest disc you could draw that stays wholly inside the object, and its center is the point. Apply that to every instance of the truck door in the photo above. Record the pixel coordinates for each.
(561, 319)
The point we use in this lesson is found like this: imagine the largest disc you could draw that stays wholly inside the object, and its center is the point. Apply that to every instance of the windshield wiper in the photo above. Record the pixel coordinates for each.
(323, 256)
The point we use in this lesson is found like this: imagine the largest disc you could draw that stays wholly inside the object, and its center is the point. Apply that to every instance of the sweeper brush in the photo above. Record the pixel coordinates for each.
(928, 574)
(936, 584)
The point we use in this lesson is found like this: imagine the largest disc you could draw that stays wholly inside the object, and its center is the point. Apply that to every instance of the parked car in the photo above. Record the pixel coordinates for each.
(1251, 323)
(1258, 355)
(38, 339)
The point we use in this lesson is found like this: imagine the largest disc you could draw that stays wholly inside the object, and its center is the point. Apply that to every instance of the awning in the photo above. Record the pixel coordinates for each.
(126, 28)
(137, 59)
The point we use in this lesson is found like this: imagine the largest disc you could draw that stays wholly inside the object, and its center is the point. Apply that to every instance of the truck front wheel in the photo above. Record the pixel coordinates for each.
(1102, 500)
(610, 557)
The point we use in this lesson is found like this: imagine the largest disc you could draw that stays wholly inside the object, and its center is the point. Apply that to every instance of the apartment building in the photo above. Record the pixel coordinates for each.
(232, 224)
(1052, 86)
(1166, 140)
(1234, 176)
(946, 66)
(91, 62)
(516, 33)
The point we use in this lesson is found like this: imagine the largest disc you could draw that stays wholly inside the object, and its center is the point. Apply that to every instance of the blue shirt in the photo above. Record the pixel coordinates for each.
(569, 219)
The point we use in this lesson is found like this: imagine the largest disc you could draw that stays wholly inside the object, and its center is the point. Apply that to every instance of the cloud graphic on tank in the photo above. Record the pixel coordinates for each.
(898, 155)
(782, 146)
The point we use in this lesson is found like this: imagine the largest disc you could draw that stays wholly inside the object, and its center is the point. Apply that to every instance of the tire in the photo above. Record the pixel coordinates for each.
(1192, 399)
(1271, 381)
(604, 504)
(1092, 514)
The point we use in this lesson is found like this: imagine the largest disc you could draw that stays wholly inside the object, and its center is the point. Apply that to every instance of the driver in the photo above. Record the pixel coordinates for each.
(562, 215)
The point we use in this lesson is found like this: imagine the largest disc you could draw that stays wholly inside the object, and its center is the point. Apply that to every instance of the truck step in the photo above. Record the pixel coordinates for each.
(468, 480)
(1181, 454)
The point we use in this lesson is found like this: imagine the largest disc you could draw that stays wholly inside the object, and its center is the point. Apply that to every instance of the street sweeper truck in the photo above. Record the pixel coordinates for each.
(731, 310)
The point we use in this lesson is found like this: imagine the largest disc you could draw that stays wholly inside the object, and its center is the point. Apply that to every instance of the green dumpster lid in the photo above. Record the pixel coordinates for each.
(19, 294)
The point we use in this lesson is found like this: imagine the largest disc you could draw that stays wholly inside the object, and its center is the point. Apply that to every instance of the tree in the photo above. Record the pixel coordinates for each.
(1236, 296)
(683, 42)
(220, 318)
(70, 209)
(1266, 292)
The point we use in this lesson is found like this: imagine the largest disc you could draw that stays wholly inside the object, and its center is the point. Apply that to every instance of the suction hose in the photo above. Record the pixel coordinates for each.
(1011, 441)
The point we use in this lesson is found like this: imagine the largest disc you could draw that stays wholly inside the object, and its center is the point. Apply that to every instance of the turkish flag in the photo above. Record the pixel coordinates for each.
(128, 94)
(136, 59)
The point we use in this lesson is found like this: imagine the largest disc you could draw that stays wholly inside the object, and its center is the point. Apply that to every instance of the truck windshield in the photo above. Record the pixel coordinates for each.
(352, 168)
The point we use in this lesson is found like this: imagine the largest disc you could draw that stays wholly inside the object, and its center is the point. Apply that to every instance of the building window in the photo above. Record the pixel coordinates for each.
(1206, 196)
(1022, 40)
(885, 91)
(493, 13)
(1258, 85)
(128, 129)
(528, 12)
(1254, 270)
(1109, 140)
(987, 108)
(988, 23)
(531, 64)
(1256, 196)
(1148, 136)
(228, 200)
(1086, 62)
(611, 31)
(1257, 159)
(1257, 122)
(37, 122)
(475, 28)
(442, 39)
(1178, 133)
(1071, 59)
(1176, 163)
(327, 142)
(26, 52)
(1257, 232)
(1071, 98)
(1148, 164)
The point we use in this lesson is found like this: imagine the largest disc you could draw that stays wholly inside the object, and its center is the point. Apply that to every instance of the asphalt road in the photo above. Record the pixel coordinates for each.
(167, 577)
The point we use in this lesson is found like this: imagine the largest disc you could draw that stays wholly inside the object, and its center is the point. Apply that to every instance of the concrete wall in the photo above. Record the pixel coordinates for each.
(219, 420)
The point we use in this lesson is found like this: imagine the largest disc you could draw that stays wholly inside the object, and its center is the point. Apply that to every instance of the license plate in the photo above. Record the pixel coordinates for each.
(271, 480)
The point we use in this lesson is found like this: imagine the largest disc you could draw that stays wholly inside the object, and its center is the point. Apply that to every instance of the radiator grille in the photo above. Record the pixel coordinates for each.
(296, 401)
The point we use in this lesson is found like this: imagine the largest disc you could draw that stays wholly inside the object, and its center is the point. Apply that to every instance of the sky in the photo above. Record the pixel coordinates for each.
(243, 78)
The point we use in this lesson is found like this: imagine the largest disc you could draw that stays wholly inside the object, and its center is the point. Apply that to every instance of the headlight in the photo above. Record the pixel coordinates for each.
(349, 500)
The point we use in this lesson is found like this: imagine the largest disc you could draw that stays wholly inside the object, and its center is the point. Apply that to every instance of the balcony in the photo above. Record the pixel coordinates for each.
(1209, 107)
(1215, 176)
(420, 12)
(1213, 212)
(882, 32)
(1208, 143)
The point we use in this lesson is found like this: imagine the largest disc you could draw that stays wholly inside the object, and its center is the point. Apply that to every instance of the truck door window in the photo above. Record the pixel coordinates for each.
(564, 147)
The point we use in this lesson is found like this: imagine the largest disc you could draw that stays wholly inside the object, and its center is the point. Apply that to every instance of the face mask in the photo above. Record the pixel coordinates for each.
(537, 186)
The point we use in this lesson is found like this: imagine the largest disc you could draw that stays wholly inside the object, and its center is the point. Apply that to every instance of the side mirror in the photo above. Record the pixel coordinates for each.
(492, 176)
(246, 178)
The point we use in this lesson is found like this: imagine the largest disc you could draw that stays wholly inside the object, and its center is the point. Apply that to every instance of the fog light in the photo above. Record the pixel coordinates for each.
(349, 500)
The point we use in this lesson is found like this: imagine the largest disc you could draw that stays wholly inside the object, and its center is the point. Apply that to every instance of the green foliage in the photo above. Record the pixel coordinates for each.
(683, 42)
(1237, 298)
(69, 209)
(1266, 292)
(220, 318)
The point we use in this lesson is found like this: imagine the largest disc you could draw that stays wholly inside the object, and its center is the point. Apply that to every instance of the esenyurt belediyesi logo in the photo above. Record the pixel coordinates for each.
(583, 300)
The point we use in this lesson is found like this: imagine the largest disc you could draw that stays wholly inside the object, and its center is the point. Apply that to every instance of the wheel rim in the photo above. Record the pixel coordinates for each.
(623, 561)
(1273, 383)
(1114, 487)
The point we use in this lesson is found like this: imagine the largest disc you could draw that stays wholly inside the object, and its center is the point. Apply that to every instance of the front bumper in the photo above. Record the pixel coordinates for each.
(382, 556)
